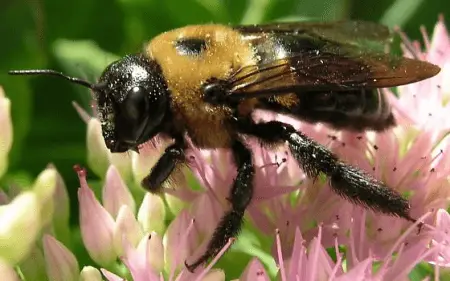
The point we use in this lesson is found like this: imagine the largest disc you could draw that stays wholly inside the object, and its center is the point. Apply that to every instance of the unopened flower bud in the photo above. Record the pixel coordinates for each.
(111, 276)
(7, 272)
(89, 273)
(116, 193)
(62, 206)
(6, 132)
(155, 251)
(34, 264)
(122, 161)
(126, 228)
(174, 204)
(96, 224)
(214, 275)
(61, 264)
(20, 223)
(152, 213)
(99, 157)
(97, 152)
(4, 198)
(44, 187)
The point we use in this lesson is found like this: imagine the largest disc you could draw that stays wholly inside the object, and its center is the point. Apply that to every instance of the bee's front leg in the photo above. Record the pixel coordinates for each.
(173, 156)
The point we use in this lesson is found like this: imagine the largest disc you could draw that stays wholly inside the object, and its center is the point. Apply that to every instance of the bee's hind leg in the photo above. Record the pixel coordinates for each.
(347, 181)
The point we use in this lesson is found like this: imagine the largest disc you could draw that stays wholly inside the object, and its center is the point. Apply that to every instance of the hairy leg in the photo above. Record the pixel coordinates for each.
(173, 156)
(240, 196)
(347, 181)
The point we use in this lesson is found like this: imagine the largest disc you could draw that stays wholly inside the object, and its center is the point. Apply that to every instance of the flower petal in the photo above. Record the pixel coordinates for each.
(319, 263)
(254, 272)
(406, 260)
(360, 272)
(137, 262)
(441, 238)
(111, 276)
(440, 44)
(179, 241)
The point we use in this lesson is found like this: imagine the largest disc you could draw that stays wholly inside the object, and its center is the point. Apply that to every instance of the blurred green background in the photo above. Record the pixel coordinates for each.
(82, 37)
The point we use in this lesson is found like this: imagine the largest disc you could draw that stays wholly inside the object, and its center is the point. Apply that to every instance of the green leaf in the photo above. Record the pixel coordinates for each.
(255, 12)
(20, 48)
(323, 10)
(82, 55)
(82, 59)
(400, 12)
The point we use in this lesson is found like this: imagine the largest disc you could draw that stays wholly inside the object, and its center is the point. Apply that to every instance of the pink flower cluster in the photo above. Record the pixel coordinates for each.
(305, 216)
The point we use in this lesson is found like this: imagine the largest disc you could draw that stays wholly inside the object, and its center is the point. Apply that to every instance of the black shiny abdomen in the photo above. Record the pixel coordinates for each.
(356, 110)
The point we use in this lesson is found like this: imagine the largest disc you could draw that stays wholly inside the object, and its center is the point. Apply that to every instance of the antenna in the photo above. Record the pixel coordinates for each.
(50, 72)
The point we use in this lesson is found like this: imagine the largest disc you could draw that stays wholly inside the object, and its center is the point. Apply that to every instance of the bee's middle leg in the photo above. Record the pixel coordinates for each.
(240, 196)
(173, 156)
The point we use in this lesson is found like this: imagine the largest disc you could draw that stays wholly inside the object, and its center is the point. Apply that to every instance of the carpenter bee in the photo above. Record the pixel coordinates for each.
(205, 82)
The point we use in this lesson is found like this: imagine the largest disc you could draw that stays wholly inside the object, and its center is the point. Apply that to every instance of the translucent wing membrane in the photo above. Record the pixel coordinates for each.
(354, 33)
(338, 56)
(317, 71)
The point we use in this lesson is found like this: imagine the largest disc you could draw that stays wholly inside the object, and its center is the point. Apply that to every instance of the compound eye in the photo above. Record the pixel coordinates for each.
(136, 104)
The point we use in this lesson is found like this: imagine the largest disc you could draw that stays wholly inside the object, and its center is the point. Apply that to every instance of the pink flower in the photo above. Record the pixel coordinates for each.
(96, 224)
(426, 103)
(113, 231)
(216, 171)
(146, 261)
(442, 238)
(313, 262)
(411, 157)
(408, 158)
(61, 264)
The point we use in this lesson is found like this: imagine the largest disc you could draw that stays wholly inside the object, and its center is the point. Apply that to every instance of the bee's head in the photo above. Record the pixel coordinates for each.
(132, 99)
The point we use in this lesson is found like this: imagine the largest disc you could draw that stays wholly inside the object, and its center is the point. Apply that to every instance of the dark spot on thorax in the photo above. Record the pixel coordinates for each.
(190, 46)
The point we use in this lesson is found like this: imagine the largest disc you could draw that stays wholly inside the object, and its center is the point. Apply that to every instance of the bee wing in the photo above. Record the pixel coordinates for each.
(342, 56)
(328, 72)
(356, 33)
